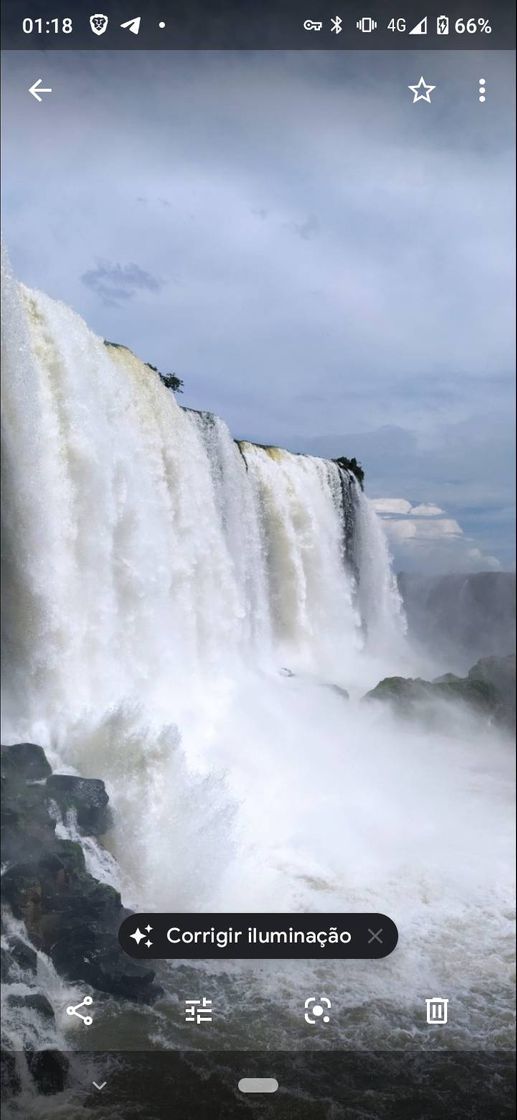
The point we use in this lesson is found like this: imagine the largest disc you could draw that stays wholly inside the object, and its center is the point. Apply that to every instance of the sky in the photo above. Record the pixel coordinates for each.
(327, 265)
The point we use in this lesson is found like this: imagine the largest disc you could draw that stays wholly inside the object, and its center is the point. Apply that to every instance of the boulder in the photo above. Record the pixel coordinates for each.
(94, 956)
(499, 674)
(6, 965)
(489, 689)
(35, 1001)
(26, 824)
(339, 690)
(10, 1081)
(86, 795)
(401, 691)
(406, 694)
(68, 913)
(27, 759)
(49, 1069)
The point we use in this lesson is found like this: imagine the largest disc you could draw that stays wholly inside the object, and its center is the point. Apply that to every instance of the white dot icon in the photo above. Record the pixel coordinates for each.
(161, 24)
(482, 89)
(317, 1011)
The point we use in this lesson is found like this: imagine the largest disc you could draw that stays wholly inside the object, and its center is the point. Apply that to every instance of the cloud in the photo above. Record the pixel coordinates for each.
(391, 505)
(426, 510)
(466, 469)
(307, 229)
(424, 541)
(116, 282)
(423, 530)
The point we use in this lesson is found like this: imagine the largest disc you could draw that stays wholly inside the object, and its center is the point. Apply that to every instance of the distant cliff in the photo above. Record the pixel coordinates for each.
(461, 618)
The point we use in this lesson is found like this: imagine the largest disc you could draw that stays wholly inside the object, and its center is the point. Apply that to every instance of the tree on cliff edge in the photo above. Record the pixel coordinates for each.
(169, 379)
(353, 466)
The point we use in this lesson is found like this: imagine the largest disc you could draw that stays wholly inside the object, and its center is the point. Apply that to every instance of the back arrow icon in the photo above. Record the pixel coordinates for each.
(37, 88)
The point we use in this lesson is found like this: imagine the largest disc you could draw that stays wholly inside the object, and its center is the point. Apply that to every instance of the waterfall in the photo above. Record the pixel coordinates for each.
(143, 544)
(183, 616)
(159, 578)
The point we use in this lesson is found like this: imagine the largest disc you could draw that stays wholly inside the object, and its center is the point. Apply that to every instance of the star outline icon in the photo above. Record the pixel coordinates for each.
(421, 91)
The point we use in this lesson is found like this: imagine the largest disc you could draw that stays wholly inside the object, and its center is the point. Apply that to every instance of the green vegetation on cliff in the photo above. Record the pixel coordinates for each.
(353, 466)
(489, 688)
(169, 379)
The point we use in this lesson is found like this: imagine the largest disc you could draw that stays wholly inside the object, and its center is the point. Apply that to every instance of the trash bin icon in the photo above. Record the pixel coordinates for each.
(437, 1010)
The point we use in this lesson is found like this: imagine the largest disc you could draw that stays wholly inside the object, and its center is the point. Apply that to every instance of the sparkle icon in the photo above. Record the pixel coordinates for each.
(421, 91)
(137, 936)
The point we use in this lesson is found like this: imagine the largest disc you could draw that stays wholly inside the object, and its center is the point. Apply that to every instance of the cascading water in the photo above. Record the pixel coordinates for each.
(143, 540)
(181, 616)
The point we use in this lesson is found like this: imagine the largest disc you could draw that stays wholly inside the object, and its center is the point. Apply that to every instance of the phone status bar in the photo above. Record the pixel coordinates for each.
(272, 25)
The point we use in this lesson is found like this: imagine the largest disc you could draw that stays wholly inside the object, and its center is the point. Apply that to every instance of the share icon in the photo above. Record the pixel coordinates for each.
(87, 1019)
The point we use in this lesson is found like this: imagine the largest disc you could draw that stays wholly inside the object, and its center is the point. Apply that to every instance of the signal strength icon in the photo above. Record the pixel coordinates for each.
(420, 28)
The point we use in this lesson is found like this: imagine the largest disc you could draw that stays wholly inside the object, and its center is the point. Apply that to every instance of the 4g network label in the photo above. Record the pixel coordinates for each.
(249, 936)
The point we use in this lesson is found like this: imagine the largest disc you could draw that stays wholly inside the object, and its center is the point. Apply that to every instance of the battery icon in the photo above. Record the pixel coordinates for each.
(442, 25)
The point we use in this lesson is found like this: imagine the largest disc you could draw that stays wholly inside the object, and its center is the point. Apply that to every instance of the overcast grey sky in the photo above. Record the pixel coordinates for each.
(327, 265)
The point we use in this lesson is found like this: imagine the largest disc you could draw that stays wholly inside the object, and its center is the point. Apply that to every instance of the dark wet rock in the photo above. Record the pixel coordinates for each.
(489, 689)
(68, 913)
(27, 759)
(26, 825)
(49, 1069)
(406, 693)
(339, 690)
(75, 920)
(102, 964)
(87, 796)
(10, 1081)
(6, 965)
(499, 673)
(35, 1001)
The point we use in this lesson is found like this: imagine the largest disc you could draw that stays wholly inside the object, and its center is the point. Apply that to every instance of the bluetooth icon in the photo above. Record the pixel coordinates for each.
(336, 25)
